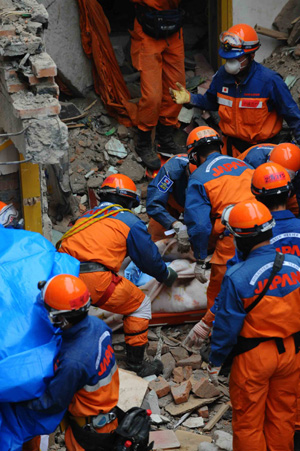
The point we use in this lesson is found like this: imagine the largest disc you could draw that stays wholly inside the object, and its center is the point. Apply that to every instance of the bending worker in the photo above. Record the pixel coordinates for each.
(157, 52)
(258, 322)
(166, 199)
(218, 181)
(86, 379)
(251, 99)
(285, 154)
(101, 239)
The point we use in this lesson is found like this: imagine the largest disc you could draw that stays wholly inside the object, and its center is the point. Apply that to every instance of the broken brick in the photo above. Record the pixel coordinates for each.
(178, 374)
(168, 362)
(43, 65)
(194, 361)
(152, 348)
(7, 30)
(160, 386)
(179, 353)
(187, 372)
(181, 392)
(205, 389)
(203, 412)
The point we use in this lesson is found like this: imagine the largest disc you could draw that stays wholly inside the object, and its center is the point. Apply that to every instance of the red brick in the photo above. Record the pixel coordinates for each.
(205, 389)
(7, 30)
(15, 87)
(160, 386)
(187, 372)
(43, 65)
(51, 110)
(194, 361)
(33, 80)
(178, 374)
(203, 412)
(181, 392)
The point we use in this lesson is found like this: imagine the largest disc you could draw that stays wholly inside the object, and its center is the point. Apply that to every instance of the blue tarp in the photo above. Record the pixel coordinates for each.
(29, 343)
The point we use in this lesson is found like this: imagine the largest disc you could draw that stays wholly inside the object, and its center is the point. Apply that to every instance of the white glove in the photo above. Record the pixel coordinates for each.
(199, 272)
(213, 373)
(197, 335)
(182, 237)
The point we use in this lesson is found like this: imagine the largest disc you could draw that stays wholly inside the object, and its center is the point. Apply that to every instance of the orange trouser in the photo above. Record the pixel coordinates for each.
(72, 444)
(125, 300)
(263, 392)
(161, 64)
(33, 444)
(156, 230)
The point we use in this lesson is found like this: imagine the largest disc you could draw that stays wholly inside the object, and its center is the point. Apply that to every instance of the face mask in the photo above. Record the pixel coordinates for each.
(233, 66)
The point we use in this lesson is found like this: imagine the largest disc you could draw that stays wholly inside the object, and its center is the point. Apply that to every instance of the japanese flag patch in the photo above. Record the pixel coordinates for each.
(225, 90)
(164, 184)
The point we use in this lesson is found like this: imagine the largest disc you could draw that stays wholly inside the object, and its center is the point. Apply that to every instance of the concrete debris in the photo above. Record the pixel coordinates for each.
(208, 447)
(116, 148)
(181, 392)
(194, 422)
(223, 440)
(164, 440)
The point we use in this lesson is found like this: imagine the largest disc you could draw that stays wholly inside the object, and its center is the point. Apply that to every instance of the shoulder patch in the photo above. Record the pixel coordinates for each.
(164, 184)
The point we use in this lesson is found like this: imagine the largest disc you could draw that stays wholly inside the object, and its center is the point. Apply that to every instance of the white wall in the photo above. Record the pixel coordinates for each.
(260, 12)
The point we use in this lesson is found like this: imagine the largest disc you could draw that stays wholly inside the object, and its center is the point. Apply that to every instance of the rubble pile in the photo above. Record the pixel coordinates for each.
(183, 402)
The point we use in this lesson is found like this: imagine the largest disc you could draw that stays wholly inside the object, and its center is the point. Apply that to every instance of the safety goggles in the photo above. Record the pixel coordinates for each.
(232, 42)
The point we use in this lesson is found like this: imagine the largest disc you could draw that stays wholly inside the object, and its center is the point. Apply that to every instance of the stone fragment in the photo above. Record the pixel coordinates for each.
(205, 389)
(168, 363)
(181, 392)
(178, 374)
(205, 446)
(132, 169)
(203, 412)
(116, 148)
(223, 440)
(179, 353)
(160, 386)
(194, 361)
(122, 131)
(152, 348)
(193, 422)
(152, 399)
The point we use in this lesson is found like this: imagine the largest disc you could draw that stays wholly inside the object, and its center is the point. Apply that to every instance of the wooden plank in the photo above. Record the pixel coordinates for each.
(271, 33)
(224, 407)
(189, 441)
(191, 404)
(31, 195)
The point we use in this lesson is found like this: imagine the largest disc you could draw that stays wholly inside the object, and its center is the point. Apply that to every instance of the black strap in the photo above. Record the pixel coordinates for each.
(277, 265)
(136, 333)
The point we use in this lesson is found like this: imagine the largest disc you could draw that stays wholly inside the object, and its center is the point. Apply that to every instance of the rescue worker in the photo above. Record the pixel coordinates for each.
(9, 216)
(251, 99)
(166, 199)
(157, 52)
(101, 239)
(285, 154)
(218, 181)
(258, 319)
(86, 379)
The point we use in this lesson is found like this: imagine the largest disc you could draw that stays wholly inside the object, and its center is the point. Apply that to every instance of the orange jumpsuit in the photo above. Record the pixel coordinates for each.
(220, 181)
(264, 378)
(161, 64)
(107, 242)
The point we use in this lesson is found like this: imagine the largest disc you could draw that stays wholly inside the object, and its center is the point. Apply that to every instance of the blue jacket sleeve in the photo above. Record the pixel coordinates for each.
(197, 218)
(228, 322)
(285, 105)
(144, 253)
(157, 200)
(208, 101)
(68, 379)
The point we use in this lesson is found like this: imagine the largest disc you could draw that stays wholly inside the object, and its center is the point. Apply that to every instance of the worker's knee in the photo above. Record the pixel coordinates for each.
(144, 310)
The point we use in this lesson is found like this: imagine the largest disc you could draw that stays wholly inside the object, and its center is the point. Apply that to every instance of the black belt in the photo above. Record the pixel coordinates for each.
(86, 267)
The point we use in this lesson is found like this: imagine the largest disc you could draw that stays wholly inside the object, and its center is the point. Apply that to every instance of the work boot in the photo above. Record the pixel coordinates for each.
(165, 140)
(297, 441)
(135, 362)
(145, 150)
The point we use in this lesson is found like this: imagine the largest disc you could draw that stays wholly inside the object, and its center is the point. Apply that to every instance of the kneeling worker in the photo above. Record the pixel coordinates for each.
(101, 239)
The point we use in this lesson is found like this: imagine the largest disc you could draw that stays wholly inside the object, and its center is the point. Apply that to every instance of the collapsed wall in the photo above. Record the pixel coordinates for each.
(28, 92)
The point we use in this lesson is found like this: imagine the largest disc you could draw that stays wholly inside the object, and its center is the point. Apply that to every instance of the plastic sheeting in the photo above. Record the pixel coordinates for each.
(29, 344)
(108, 79)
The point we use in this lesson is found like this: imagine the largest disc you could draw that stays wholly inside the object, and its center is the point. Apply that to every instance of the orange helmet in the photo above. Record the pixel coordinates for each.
(241, 39)
(8, 214)
(121, 185)
(199, 137)
(270, 178)
(65, 295)
(288, 155)
(248, 218)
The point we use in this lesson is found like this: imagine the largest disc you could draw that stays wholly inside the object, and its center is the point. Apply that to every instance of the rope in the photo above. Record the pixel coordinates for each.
(89, 221)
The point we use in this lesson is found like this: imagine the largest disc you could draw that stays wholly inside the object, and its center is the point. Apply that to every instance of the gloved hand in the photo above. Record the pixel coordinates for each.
(181, 96)
(213, 372)
(197, 335)
(172, 276)
(182, 237)
(200, 269)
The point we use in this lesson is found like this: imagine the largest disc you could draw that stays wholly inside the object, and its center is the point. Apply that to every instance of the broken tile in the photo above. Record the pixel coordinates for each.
(205, 389)
(160, 386)
(164, 439)
(193, 422)
(181, 392)
(132, 390)
(194, 361)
